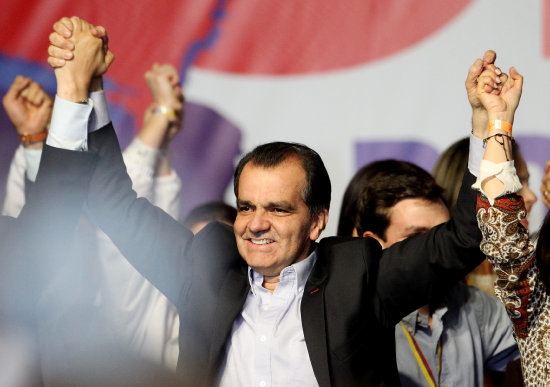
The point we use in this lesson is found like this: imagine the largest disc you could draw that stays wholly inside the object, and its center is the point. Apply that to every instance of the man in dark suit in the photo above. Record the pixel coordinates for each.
(263, 303)
(33, 246)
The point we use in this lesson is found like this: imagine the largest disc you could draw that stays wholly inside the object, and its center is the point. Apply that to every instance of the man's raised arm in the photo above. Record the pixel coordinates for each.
(420, 268)
(148, 237)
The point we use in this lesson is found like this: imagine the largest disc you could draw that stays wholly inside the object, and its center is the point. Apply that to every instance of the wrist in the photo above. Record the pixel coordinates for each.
(499, 127)
(32, 140)
(154, 131)
(96, 84)
(73, 92)
(503, 116)
(164, 109)
(72, 89)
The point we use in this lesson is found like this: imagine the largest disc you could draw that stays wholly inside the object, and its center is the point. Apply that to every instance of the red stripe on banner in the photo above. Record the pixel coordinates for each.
(140, 33)
(280, 37)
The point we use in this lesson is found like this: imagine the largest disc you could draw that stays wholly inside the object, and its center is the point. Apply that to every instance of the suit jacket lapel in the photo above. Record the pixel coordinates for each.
(314, 322)
(232, 296)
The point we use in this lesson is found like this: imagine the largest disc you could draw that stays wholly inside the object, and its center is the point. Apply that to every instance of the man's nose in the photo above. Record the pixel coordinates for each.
(259, 222)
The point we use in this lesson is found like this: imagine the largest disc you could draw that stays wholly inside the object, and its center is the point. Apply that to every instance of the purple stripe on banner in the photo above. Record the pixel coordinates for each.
(534, 149)
(203, 154)
(415, 152)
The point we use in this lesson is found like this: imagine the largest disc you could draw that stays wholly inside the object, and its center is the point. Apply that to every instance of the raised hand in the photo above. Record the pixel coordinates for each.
(79, 52)
(62, 47)
(164, 84)
(500, 99)
(479, 114)
(164, 117)
(474, 72)
(29, 108)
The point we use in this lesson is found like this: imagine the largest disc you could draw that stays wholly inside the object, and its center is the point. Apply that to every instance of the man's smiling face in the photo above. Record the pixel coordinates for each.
(273, 227)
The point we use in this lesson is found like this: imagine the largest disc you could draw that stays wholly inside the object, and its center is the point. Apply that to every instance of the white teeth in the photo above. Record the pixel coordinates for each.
(261, 241)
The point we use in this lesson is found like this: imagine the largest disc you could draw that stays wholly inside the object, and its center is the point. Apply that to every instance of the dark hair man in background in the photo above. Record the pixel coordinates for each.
(463, 331)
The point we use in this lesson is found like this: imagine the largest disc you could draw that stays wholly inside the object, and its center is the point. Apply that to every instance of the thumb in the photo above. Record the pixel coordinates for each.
(517, 77)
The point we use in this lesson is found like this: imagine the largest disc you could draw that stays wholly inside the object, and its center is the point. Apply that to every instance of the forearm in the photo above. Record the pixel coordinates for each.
(480, 120)
(164, 167)
(149, 238)
(45, 225)
(141, 161)
(167, 193)
(512, 256)
(419, 269)
(155, 128)
(15, 185)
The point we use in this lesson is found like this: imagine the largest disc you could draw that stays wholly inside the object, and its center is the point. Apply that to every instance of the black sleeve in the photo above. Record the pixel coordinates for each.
(151, 240)
(417, 270)
(33, 245)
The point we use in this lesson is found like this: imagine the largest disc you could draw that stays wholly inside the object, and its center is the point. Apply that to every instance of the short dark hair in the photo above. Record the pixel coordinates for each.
(317, 192)
(379, 186)
(348, 211)
(210, 212)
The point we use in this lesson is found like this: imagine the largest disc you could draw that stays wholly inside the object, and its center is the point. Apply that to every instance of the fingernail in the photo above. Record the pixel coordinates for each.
(495, 85)
(68, 55)
(498, 71)
(498, 80)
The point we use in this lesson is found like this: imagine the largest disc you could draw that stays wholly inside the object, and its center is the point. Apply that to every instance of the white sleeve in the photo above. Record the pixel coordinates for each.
(475, 156)
(505, 172)
(167, 194)
(69, 125)
(100, 114)
(141, 161)
(164, 192)
(32, 162)
(15, 185)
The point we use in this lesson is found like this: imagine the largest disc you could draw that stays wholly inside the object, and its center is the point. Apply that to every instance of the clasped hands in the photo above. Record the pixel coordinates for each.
(79, 53)
(499, 93)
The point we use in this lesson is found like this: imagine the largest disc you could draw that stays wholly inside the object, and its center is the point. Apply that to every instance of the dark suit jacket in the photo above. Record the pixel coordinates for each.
(31, 246)
(354, 296)
(32, 249)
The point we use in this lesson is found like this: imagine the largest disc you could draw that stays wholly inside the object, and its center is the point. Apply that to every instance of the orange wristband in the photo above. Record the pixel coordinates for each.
(27, 139)
(502, 125)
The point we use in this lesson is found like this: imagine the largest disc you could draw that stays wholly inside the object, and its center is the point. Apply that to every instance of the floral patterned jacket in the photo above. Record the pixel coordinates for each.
(508, 247)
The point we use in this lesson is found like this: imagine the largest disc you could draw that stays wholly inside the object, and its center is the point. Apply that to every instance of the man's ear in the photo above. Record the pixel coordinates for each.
(318, 224)
(373, 235)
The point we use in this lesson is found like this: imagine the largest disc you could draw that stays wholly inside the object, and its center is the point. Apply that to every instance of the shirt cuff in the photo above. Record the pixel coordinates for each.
(476, 154)
(69, 125)
(142, 154)
(32, 161)
(505, 172)
(100, 114)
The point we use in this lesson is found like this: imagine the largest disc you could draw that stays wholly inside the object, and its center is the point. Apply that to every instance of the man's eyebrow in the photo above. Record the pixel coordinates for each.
(283, 204)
